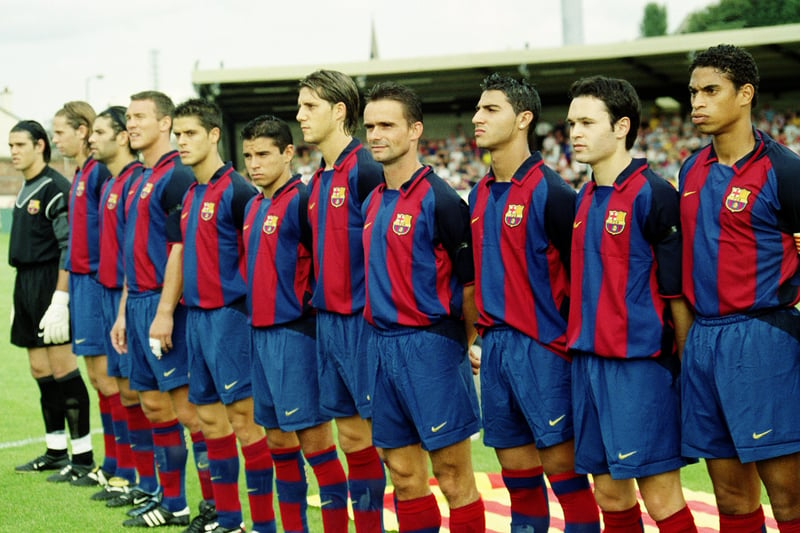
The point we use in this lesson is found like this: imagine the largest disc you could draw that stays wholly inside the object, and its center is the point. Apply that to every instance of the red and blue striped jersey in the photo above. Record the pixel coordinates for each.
(418, 253)
(626, 246)
(739, 254)
(334, 212)
(152, 225)
(213, 251)
(521, 233)
(277, 242)
(83, 251)
(113, 200)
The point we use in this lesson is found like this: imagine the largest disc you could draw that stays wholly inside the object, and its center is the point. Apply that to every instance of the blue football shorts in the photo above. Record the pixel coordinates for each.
(86, 315)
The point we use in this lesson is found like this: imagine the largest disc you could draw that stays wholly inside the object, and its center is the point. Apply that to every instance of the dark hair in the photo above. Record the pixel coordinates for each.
(334, 87)
(270, 127)
(37, 133)
(619, 97)
(116, 114)
(388, 90)
(520, 94)
(733, 62)
(163, 103)
(77, 114)
(208, 113)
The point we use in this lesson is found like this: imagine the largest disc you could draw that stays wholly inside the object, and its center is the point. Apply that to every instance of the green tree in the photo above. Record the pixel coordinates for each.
(654, 22)
(734, 14)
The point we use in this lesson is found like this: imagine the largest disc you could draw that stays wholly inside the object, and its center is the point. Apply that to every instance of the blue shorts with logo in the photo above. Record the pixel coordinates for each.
(86, 315)
(345, 368)
(526, 391)
(148, 372)
(220, 350)
(741, 386)
(626, 415)
(119, 366)
(424, 392)
(285, 387)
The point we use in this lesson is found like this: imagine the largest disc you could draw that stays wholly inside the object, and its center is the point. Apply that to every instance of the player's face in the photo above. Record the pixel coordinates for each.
(389, 135)
(593, 139)
(716, 104)
(494, 120)
(24, 153)
(67, 139)
(265, 163)
(103, 142)
(143, 125)
(195, 144)
(316, 116)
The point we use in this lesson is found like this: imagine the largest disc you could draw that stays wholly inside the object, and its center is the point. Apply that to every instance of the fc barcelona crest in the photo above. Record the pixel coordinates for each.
(148, 187)
(270, 224)
(111, 203)
(737, 199)
(338, 196)
(513, 216)
(34, 206)
(401, 224)
(80, 188)
(615, 223)
(207, 212)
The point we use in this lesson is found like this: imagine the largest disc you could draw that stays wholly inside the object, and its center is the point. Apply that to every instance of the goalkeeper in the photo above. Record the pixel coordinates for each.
(40, 315)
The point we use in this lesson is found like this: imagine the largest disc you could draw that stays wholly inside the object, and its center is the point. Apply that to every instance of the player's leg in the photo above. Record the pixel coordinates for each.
(452, 467)
(106, 387)
(572, 489)
(320, 452)
(415, 503)
(617, 500)
(781, 477)
(663, 498)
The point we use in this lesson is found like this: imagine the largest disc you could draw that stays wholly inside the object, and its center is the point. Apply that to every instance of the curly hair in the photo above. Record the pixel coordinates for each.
(733, 62)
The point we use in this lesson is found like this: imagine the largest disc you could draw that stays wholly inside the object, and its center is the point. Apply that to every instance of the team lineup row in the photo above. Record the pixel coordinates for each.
(625, 330)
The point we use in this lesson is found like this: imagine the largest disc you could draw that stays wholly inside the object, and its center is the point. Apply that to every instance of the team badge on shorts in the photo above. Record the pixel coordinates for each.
(338, 196)
(401, 224)
(148, 187)
(615, 222)
(34, 206)
(737, 199)
(207, 212)
(111, 203)
(80, 188)
(270, 224)
(513, 216)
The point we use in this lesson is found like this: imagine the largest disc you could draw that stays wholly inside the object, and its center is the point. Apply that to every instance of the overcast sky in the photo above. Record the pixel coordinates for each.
(52, 51)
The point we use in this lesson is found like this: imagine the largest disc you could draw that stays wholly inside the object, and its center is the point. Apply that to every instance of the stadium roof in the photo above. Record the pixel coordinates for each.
(450, 84)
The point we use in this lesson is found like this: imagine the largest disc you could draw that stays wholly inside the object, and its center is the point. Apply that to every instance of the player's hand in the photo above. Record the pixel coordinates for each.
(161, 332)
(797, 242)
(55, 322)
(475, 359)
(118, 336)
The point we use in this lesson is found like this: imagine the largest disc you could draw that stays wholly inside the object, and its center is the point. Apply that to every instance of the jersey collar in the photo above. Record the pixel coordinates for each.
(742, 164)
(533, 161)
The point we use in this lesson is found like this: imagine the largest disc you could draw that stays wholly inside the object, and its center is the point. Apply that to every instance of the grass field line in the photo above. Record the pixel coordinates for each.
(33, 440)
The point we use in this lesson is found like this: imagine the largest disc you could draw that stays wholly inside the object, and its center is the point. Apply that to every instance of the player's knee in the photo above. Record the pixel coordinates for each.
(736, 498)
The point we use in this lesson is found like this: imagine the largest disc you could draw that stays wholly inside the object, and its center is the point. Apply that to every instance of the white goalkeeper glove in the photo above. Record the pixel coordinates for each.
(55, 322)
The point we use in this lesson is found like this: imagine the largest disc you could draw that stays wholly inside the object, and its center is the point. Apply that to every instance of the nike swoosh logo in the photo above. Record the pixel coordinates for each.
(293, 411)
(228, 386)
(555, 422)
(688, 193)
(80, 341)
(214, 478)
(757, 436)
(244, 228)
(311, 205)
(168, 373)
(202, 466)
(252, 490)
(623, 456)
(368, 224)
(474, 220)
(576, 224)
(435, 429)
(184, 215)
(326, 502)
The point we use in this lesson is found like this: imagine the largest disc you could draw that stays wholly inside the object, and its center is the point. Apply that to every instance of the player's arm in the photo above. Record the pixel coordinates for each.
(787, 170)
(559, 214)
(470, 311)
(55, 321)
(682, 318)
(119, 338)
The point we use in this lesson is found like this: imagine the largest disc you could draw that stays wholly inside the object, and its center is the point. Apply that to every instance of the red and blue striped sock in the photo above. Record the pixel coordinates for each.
(141, 434)
(169, 447)
(469, 518)
(626, 521)
(109, 444)
(290, 481)
(680, 522)
(420, 515)
(574, 493)
(126, 467)
(528, 498)
(200, 454)
(258, 473)
(367, 482)
(332, 489)
(223, 461)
